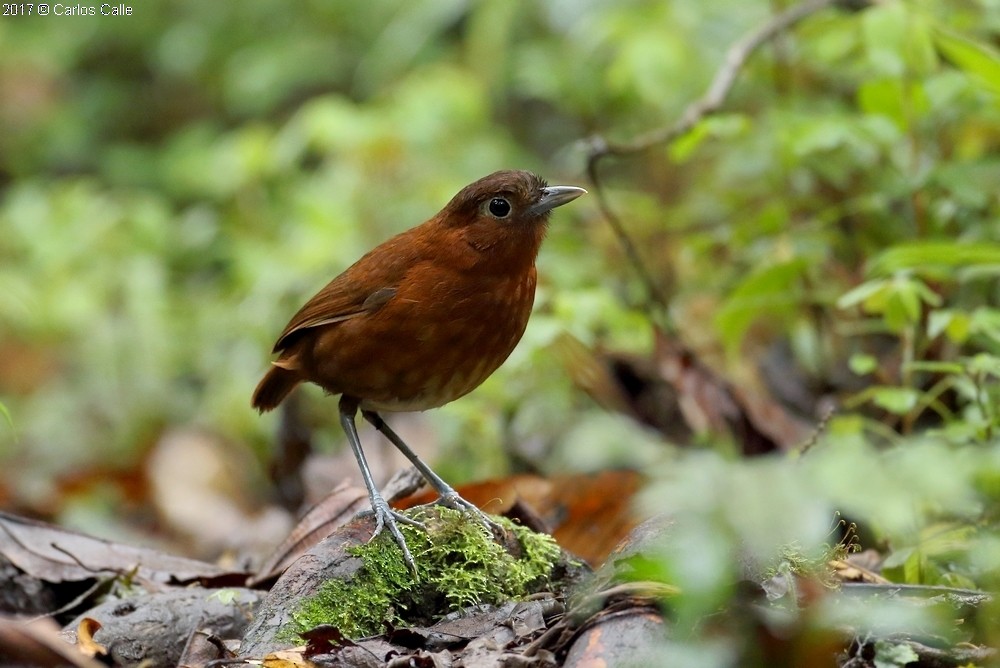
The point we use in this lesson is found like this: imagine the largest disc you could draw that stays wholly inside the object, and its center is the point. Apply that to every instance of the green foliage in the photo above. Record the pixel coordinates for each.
(172, 188)
(6, 414)
(899, 301)
(933, 502)
(458, 565)
(976, 58)
(893, 655)
(772, 292)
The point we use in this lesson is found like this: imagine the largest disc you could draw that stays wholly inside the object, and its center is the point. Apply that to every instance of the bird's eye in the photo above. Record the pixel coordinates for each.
(499, 207)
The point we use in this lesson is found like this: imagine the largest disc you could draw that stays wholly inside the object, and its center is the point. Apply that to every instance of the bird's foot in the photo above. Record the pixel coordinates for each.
(451, 499)
(386, 518)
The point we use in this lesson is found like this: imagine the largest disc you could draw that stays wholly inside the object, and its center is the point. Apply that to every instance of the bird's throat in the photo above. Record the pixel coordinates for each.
(506, 249)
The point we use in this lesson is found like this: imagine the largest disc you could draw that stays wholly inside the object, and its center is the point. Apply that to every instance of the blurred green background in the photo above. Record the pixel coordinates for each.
(175, 183)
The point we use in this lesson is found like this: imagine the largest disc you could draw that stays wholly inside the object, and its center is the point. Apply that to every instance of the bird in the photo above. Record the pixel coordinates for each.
(421, 320)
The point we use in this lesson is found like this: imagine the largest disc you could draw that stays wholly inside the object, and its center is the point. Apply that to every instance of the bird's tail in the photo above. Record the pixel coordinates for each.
(273, 388)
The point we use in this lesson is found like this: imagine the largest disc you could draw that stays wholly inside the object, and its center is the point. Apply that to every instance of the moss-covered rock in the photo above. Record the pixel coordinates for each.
(459, 563)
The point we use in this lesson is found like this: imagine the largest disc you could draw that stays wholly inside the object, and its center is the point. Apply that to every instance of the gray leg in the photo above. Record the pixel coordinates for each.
(449, 497)
(385, 517)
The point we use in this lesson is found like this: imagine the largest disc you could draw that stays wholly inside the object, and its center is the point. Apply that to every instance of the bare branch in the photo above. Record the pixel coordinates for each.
(715, 96)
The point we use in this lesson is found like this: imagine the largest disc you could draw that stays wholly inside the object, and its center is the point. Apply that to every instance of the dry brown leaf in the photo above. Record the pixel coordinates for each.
(289, 658)
(336, 509)
(200, 486)
(54, 554)
(85, 638)
(39, 644)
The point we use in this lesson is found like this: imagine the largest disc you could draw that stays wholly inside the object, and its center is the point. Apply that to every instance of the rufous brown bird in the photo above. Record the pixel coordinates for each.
(422, 319)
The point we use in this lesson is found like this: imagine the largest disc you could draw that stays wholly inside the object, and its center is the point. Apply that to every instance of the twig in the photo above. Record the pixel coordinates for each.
(821, 426)
(722, 83)
(655, 296)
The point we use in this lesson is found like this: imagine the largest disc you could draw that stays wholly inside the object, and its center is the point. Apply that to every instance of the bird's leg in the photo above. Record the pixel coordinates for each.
(384, 515)
(449, 497)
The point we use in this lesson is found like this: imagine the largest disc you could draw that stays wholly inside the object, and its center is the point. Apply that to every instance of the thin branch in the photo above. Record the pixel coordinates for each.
(715, 96)
(654, 295)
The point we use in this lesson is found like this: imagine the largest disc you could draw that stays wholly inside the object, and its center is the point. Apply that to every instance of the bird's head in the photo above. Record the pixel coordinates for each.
(505, 213)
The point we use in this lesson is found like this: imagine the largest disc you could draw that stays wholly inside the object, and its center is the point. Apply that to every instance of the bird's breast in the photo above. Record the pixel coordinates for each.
(439, 338)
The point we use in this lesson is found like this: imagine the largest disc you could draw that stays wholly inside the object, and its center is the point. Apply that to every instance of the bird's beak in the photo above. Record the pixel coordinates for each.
(554, 196)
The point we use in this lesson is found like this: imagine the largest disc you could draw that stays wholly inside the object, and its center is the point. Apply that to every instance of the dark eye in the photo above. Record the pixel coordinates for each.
(499, 207)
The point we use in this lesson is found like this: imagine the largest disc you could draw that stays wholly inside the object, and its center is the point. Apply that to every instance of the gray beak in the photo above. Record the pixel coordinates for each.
(554, 196)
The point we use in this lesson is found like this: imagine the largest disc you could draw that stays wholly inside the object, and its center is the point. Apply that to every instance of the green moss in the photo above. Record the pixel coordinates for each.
(816, 564)
(458, 565)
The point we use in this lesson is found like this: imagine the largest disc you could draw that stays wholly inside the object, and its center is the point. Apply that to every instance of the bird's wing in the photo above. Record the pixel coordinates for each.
(340, 300)
(363, 288)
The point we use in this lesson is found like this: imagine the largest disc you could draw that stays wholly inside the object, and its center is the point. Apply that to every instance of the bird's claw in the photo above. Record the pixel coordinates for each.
(451, 499)
(396, 515)
(385, 518)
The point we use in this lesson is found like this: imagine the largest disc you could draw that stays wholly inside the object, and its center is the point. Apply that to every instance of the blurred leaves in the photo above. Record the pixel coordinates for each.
(898, 300)
(971, 56)
(938, 259)
(173, 186)
(773, 293)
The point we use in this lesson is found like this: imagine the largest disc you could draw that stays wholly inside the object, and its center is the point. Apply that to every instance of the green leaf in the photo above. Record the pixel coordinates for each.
(898, 300)
(769, 292)
(935, 367)
(6, 413)
(885, 97)
(901, 310)
(947, 539)
(862, 364)
(921, 290)
(861, 293)
(684, 146)
(956, 325)
(986, 322)
(890, 654)
(900, 101)
(936, 545)
(721, 126)
(984, 364)
(922, 256)
(885, 32)
(974, 58)
(957, 581)
(913, 567)
(918, 50)
(902, 565)
(896, 400)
